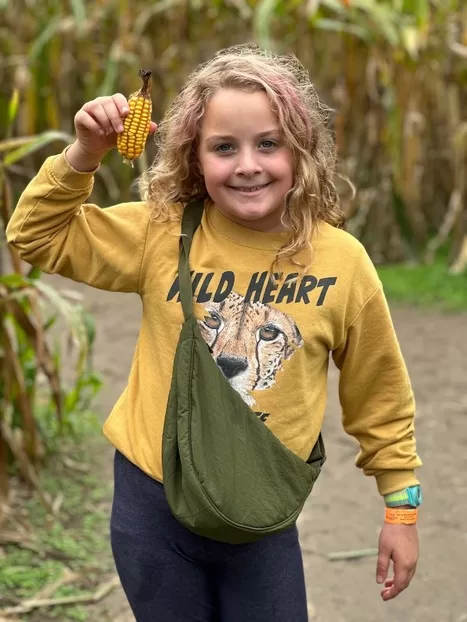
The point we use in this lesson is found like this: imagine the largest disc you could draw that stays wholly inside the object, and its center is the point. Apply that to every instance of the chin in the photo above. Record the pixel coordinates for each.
(266, 219)
(251, 214)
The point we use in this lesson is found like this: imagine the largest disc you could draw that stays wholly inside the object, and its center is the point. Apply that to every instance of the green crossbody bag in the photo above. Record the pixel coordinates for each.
(226, 475)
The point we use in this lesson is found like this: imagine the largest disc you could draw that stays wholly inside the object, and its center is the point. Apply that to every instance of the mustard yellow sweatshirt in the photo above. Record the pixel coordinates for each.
(271, 340)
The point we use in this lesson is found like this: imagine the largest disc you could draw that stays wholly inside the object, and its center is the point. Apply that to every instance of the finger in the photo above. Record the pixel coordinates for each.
(152, 127)
(96, 110)
(387, 594)
(122, 104)
(84, 120)
(382, 566)
(401, 578)
(392, 589)
(390, 593)
(412, 573)
(113, 114)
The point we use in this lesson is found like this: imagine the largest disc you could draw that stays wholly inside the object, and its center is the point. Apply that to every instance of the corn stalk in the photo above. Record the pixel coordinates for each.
(26, 358)
(393, 70)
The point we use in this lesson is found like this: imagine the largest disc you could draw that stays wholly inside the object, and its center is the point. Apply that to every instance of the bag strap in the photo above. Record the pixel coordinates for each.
(191, 219)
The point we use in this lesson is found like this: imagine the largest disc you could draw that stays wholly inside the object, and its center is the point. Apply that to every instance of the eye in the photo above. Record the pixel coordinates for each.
(268, 332)
(268, 144)
(224, 148)
(212, 321)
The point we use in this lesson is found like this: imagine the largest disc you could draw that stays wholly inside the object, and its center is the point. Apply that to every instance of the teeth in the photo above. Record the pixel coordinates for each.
(252, 189)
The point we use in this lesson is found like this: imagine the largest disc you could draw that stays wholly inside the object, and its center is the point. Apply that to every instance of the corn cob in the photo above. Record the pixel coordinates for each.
(131, 142)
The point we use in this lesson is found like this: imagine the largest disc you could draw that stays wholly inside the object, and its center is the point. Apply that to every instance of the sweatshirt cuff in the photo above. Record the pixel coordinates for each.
(392, 481)
(68, 176)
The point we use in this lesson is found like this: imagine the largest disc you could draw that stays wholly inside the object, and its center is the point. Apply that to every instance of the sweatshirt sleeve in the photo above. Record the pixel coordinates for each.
(53, 229)
(375, 392)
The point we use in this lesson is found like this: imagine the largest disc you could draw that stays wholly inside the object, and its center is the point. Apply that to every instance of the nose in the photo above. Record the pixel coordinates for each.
(247, 163)
(231, 366)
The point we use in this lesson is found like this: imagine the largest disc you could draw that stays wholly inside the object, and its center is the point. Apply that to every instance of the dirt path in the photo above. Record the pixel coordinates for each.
(345, 512)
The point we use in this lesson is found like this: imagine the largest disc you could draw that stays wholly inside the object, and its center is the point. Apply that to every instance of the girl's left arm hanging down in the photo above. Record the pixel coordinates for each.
(378, 410)
(378, 405)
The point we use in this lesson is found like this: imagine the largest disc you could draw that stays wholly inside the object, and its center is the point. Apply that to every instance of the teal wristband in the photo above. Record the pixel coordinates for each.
(408, 496)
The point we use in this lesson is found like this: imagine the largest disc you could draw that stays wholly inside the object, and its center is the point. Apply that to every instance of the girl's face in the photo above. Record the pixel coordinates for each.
(242, 155)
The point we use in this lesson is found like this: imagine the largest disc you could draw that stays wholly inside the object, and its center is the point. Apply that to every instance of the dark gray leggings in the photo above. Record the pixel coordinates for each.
(172, 575)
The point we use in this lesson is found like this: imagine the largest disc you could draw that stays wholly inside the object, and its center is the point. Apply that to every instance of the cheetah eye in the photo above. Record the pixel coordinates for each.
(268, 332)
(212, 321)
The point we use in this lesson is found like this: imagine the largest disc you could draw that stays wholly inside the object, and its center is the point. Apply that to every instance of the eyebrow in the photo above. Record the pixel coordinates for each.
(228, 137)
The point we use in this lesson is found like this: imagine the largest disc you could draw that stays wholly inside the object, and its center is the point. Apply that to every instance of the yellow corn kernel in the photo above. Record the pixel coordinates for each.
(131, 142)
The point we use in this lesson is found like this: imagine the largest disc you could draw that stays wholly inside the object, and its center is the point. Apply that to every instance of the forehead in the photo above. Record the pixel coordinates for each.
(236, 112)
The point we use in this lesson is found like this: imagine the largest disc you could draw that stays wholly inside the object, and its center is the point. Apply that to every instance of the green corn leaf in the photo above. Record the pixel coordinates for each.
(14, 280)
(335, 25)
(45, 36)
(312, 8)
(59, 302)
(11, 143)
(90, 325)
(262, 18)
(49, 323)
(420, 9)
(79, 12)
(380, 18)
(111, 76)
(73, 316)
(21, 294)
(411, 41)
(34, 273)
(36, 143)
(13, 107)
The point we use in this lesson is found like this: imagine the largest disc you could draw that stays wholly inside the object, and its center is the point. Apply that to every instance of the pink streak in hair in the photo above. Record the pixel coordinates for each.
(290, 99)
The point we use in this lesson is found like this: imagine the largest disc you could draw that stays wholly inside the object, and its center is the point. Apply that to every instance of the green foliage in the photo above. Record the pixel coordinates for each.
(393, 70)
(36, 407)
(427, 286)
(79, 419)
(76, 540)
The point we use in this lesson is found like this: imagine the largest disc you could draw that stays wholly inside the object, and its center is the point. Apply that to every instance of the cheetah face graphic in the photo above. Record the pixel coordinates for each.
(249, 342)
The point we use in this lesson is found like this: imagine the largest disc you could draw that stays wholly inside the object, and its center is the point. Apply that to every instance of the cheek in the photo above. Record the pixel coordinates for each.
(288, 169)
(215, 170)
(282, 168)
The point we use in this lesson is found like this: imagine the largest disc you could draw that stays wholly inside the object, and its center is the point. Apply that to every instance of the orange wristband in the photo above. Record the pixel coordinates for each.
(394, 516)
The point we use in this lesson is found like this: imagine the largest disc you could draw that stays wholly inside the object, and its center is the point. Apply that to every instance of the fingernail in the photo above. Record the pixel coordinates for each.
(120, 128)
(125, 110)
(379, 579)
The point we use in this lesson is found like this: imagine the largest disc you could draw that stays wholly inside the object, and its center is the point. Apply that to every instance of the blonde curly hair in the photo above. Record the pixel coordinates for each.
(174, 177)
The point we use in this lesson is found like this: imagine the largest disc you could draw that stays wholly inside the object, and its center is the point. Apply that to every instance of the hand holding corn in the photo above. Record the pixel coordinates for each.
(107, 122)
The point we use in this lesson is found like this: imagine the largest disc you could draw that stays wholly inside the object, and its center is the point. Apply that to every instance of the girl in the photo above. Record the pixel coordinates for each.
(248, 135)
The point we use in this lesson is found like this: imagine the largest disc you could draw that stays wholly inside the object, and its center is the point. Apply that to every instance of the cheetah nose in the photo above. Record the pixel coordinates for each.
(231, 366)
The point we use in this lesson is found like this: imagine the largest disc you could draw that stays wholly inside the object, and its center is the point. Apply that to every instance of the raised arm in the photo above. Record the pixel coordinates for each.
(54, 228)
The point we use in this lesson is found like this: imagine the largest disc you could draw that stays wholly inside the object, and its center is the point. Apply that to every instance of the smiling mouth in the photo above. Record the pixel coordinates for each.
(249, 189)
